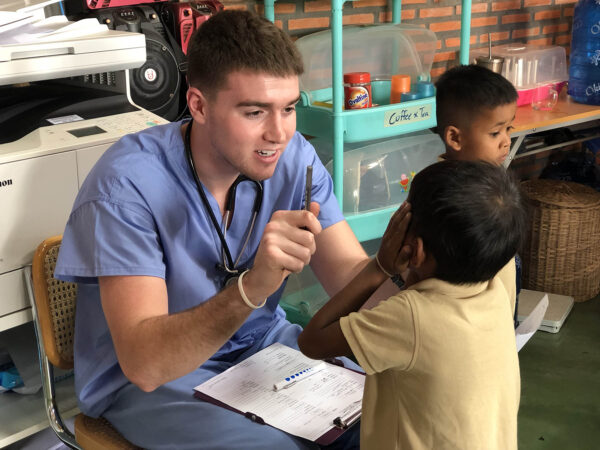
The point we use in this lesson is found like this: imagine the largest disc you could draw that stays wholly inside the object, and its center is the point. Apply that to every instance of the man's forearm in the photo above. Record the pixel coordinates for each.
(162, 348)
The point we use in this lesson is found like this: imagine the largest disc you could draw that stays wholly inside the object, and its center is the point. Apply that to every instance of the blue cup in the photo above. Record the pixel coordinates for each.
(425, 89)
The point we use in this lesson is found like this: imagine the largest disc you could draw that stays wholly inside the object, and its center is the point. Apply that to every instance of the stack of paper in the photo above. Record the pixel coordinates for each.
(530, 325)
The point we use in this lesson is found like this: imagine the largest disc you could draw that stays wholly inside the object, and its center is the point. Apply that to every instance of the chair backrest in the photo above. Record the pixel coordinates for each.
(55, 302)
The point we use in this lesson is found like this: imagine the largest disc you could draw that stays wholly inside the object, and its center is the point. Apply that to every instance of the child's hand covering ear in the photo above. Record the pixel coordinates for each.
(393, 255)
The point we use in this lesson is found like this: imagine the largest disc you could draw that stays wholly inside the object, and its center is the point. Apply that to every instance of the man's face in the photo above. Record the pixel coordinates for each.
(488, 136)
(252, 119)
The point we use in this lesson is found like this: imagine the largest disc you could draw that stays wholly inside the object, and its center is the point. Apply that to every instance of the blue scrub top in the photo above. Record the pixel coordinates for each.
(139, 213)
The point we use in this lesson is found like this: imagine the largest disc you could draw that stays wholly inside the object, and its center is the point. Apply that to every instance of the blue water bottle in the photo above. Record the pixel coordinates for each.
(584, 68)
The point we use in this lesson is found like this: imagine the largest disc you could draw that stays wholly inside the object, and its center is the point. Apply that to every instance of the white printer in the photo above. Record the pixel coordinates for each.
(53, 128)
(40, 175)
(53, 131)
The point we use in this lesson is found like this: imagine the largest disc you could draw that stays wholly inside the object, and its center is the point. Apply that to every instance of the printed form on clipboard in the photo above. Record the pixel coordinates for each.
(318, 403)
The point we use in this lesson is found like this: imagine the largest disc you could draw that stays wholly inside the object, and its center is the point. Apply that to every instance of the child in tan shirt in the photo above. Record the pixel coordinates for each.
(440, 356)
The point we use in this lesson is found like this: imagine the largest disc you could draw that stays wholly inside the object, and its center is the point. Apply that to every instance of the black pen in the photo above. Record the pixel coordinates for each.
(308, 188)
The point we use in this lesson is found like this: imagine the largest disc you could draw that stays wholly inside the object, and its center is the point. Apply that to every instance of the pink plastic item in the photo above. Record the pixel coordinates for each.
(526, 95)
(101, 4)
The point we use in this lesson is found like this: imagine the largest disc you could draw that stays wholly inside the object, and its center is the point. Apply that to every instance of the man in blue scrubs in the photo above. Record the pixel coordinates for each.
(155, 316)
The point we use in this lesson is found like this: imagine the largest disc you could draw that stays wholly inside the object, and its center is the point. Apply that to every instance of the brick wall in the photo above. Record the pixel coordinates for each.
(531, 21)
(542, 22)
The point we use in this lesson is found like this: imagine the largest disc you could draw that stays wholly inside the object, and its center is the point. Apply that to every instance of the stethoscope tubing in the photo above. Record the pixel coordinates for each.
(228, 263)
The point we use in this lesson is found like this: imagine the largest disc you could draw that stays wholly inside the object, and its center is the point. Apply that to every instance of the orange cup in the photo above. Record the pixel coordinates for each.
(400, 85)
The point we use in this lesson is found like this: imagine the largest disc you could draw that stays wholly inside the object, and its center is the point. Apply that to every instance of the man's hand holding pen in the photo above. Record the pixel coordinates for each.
(287, 245)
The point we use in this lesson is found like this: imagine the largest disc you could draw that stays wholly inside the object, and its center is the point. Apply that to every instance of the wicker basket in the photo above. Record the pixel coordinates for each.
(561, 253)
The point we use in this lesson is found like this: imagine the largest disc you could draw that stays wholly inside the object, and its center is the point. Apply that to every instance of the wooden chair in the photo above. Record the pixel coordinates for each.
(53, 303)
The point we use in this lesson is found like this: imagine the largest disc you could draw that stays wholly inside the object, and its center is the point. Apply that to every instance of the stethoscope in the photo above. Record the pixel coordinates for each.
(228, 266)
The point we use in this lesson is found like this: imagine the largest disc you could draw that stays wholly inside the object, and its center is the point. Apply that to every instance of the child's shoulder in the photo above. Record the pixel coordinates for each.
(508, 276)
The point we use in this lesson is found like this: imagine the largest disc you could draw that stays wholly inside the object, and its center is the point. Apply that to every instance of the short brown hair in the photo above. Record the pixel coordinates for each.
(235, 40)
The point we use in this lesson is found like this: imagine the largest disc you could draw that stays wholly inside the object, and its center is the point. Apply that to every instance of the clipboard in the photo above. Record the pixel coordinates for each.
(326, 439)
(297, 410)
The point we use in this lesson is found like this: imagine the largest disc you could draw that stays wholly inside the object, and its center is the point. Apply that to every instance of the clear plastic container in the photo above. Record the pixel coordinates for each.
(530, 67)
(381, 50)
(377, 174)
(303, 295)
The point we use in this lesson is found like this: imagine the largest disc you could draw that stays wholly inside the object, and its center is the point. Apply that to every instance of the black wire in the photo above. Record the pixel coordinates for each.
(188, 151)
(229, 268)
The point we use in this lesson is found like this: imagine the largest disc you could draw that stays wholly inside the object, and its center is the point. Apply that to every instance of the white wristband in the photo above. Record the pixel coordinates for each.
(243, 294)
(381, 267)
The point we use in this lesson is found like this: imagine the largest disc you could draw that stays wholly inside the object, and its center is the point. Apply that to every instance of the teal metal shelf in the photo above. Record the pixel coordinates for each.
(378, 122)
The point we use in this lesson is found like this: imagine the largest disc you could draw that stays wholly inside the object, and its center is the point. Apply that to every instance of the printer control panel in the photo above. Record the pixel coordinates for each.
(128, 122)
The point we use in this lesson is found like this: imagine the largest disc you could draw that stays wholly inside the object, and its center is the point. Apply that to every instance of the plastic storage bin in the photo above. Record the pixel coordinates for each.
(382, 51)
(377, 174)
(303, 295)
(530, 67)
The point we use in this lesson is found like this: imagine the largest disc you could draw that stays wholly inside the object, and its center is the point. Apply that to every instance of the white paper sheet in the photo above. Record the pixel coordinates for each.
(529, 326)
(306, 408)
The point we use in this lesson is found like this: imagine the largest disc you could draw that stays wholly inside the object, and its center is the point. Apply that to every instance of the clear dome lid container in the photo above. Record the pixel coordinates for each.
(381, 50)
(527, 66)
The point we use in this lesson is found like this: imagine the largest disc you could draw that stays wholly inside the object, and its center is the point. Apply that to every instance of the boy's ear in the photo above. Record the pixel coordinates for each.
(197, 104)
(452, 137)
(419, 254)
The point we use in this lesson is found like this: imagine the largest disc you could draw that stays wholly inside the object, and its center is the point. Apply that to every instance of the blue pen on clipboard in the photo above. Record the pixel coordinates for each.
(300, 375)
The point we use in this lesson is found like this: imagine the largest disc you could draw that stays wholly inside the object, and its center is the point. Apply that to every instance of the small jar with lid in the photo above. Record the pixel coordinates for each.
(357, 90)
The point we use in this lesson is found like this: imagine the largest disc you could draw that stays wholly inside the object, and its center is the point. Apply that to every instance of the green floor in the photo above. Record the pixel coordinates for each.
(560, 384)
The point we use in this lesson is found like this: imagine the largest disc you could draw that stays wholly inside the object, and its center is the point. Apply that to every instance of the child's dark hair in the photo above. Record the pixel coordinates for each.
(471, 217)
(235, 40)
(463, 91)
